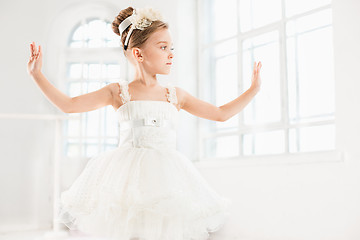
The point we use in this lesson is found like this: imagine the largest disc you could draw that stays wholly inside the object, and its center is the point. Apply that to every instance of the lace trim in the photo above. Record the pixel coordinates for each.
(125, 95)
(172, 94)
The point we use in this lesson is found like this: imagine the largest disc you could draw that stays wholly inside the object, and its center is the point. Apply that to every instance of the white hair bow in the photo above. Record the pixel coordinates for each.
(140, 19)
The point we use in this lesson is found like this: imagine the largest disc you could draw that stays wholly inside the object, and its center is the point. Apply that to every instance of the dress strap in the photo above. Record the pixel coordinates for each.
(125, 95)
(171, 95)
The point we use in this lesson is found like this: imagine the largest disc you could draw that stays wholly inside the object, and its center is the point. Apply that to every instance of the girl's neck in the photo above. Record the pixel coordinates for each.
(145, 79)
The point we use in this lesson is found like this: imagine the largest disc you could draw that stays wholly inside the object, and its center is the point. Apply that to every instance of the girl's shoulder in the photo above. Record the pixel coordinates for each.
(177, 94)
(117, 87)
(179, 91)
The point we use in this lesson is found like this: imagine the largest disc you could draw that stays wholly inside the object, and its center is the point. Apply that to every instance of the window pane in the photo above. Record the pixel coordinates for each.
(110, 144)
(221, 80)
(85, 71)
(91, 150)
(113, 71)
(96, 43)
(94, 71)
(264, 48)
(227, 146)
(91, 128)
(110, 122)
(223, 20)
(314, 138)
(310, 73)
(74, 89)
(91, 147)
(309, 22)
(226, 48)
(97, 33)
(79, 34)
(113, 43)
(226, 87)
(295, 6)
(110, 36)
(93, 86)
(264, 143)
(97, 29)
(77, 44)
(74, 70)
(84, 87)
(257, 13)
(72, 148)
(72, 127)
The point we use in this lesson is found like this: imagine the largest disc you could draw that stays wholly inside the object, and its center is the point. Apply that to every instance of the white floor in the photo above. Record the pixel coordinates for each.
(45, 235)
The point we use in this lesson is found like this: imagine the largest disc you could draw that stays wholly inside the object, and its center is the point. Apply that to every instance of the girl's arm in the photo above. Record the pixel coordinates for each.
(209, 111)
(83, 103)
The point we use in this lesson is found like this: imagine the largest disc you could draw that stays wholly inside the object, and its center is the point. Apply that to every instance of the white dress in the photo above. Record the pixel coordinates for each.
(143, 189)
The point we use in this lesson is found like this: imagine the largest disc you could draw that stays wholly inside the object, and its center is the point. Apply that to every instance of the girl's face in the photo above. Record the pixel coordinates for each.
(157, 53)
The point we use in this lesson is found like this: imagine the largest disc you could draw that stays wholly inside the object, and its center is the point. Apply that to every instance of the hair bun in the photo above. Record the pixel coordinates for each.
(141, 33)
(123, 14)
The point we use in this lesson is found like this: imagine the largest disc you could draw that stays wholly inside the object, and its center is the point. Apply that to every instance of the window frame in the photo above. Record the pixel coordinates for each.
(287, 157)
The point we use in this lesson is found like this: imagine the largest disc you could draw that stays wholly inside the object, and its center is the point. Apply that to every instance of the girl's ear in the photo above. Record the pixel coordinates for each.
(137, 54)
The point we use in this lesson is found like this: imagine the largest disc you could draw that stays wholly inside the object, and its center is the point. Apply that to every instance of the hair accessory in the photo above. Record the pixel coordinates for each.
(141, 18)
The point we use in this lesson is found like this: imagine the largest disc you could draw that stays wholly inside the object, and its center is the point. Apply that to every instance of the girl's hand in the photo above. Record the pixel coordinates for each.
(255, 79)
(35, 60)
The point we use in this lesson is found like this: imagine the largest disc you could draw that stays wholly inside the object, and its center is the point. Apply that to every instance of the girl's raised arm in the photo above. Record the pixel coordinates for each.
(83, 103)
(209, 111)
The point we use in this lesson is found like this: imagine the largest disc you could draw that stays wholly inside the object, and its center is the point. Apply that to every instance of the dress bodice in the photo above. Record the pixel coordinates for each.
(147, 123)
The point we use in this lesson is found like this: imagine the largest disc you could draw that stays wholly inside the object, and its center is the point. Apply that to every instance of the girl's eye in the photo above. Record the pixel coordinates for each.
(163, 47)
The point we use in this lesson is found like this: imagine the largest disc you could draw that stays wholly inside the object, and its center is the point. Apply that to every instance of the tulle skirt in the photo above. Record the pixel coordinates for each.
(143, 193)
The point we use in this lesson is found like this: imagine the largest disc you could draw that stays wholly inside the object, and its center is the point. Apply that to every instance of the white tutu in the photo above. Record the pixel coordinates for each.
(144, 188)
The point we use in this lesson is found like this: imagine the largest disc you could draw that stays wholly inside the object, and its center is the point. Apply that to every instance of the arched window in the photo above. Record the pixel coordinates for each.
(91, 62)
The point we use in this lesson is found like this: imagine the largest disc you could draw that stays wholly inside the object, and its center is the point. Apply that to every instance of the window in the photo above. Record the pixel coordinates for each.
(91, 63)
(294, 111)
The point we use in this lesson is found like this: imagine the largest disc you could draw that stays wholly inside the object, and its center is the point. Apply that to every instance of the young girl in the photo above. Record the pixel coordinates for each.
(145, 188)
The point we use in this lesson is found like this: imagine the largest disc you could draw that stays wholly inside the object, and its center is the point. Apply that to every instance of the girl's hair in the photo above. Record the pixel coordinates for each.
(138, 37)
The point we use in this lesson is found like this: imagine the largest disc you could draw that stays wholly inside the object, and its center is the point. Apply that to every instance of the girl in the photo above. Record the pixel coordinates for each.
(144, 188)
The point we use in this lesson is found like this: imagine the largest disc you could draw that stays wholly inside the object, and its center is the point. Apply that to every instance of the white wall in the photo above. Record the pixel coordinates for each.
(275, 201)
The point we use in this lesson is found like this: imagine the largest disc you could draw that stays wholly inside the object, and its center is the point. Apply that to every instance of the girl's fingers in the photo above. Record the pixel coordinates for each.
(30, 48)
(259, 66)
(34, 50)
(34, 55)
(39, 53)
